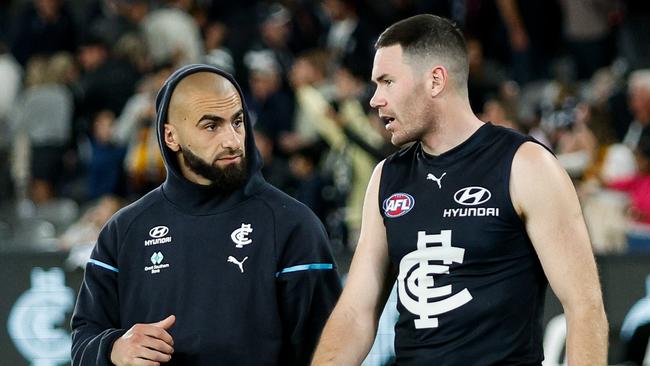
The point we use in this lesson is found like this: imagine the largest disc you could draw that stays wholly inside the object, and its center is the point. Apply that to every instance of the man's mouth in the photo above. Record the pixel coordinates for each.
(230, 158)
(387, 120)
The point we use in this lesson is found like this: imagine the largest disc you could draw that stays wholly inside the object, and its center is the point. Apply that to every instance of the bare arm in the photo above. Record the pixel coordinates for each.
(544, 196)
(351, 329)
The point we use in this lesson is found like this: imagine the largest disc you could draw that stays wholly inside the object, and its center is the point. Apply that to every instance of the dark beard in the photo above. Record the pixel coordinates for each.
(227, 179)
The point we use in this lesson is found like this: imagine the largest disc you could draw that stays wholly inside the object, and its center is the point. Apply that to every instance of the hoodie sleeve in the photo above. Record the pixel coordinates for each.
(308, 287)
(95, 321)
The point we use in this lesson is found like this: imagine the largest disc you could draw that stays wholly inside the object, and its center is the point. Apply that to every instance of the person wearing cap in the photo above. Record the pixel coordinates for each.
(215, 266)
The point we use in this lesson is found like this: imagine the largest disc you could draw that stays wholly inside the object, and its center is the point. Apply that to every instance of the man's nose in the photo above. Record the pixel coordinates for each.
(377, 100)
(231, 139)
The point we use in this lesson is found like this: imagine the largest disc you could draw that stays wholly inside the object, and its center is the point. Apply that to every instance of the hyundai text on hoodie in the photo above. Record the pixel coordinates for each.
(249, 274)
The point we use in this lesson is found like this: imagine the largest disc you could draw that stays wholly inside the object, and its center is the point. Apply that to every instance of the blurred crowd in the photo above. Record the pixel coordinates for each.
(79, 79)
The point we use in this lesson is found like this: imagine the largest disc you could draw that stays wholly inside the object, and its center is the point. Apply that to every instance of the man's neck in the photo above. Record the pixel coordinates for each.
(454, 124)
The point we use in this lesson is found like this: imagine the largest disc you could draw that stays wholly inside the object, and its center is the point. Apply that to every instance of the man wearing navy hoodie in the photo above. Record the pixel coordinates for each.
(215, 266)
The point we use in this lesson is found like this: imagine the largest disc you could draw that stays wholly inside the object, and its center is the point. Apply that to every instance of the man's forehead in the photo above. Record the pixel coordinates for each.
(386, 60)
(205, 82)
(202, 93)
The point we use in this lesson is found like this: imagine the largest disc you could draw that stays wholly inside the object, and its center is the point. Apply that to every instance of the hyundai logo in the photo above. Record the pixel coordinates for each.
(158, 231)
(472, 196)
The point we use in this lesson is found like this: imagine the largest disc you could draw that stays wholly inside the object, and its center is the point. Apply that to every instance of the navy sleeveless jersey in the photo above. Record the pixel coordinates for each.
(470, 286)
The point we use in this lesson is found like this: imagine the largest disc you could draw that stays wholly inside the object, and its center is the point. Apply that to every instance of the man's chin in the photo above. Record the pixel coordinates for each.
(231, 176)
(400, 141)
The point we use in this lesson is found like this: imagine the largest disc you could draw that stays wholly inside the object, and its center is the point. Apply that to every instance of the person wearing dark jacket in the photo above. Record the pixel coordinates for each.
(215, 266)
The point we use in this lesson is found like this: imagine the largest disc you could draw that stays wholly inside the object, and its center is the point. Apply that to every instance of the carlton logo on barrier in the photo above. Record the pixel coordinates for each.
(158, 231)
(35, 320)
(398, 204)
(472, 196)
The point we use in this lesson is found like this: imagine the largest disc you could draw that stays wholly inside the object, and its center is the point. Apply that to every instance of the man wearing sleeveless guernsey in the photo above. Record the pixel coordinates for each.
(471, 219)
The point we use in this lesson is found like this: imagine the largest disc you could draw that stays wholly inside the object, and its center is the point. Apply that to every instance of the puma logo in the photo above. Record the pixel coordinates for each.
(437, 180)
(239, 264)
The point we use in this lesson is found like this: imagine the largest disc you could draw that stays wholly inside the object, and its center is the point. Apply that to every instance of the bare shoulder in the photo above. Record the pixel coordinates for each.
(530, 155)
(378, 169)
(536, 176)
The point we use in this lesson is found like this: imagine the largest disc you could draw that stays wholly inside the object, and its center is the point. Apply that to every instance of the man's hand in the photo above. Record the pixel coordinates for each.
(145, 344)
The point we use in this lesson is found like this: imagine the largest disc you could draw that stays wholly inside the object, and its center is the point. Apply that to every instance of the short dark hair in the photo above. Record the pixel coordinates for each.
(427, 35)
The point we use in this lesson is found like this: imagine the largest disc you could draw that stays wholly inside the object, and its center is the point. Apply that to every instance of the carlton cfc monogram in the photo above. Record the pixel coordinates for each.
(240, 236)
(419, 281)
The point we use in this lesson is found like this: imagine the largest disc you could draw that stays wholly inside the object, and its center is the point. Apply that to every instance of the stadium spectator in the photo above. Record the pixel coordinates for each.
(638, 186)
(105, 82)
(639, 104)
(43, 27)
(44, 113)
(11, 79)
(172, 35)
(106, 166)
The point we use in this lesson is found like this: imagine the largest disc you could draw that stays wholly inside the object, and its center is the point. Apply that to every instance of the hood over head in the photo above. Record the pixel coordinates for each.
(181, 191)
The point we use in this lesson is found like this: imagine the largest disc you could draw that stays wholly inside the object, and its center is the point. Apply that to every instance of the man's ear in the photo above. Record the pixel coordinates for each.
(438, 78)
(171, 137)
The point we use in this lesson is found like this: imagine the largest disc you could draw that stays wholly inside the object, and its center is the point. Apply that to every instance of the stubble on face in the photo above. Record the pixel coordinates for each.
(415, 116)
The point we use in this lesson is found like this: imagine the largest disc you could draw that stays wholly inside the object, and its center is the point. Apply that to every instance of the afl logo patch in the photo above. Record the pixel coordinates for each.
(398, 204)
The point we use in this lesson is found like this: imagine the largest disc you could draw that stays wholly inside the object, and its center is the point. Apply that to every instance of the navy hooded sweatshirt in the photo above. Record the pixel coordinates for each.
(248, 275)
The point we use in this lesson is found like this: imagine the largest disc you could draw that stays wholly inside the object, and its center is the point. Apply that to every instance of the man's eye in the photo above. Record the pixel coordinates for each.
(388, 82)
(210, 127)
(237, 123)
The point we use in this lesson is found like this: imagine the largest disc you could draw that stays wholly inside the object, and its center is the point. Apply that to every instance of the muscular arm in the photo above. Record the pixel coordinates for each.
(350, 330)
(544, 196)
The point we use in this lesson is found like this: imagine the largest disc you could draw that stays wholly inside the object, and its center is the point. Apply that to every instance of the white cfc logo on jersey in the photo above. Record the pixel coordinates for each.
(419, 281)
(240, 236)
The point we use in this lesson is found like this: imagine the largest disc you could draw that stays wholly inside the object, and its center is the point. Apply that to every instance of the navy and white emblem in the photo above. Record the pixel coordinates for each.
(240, 235)
(416, 275)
